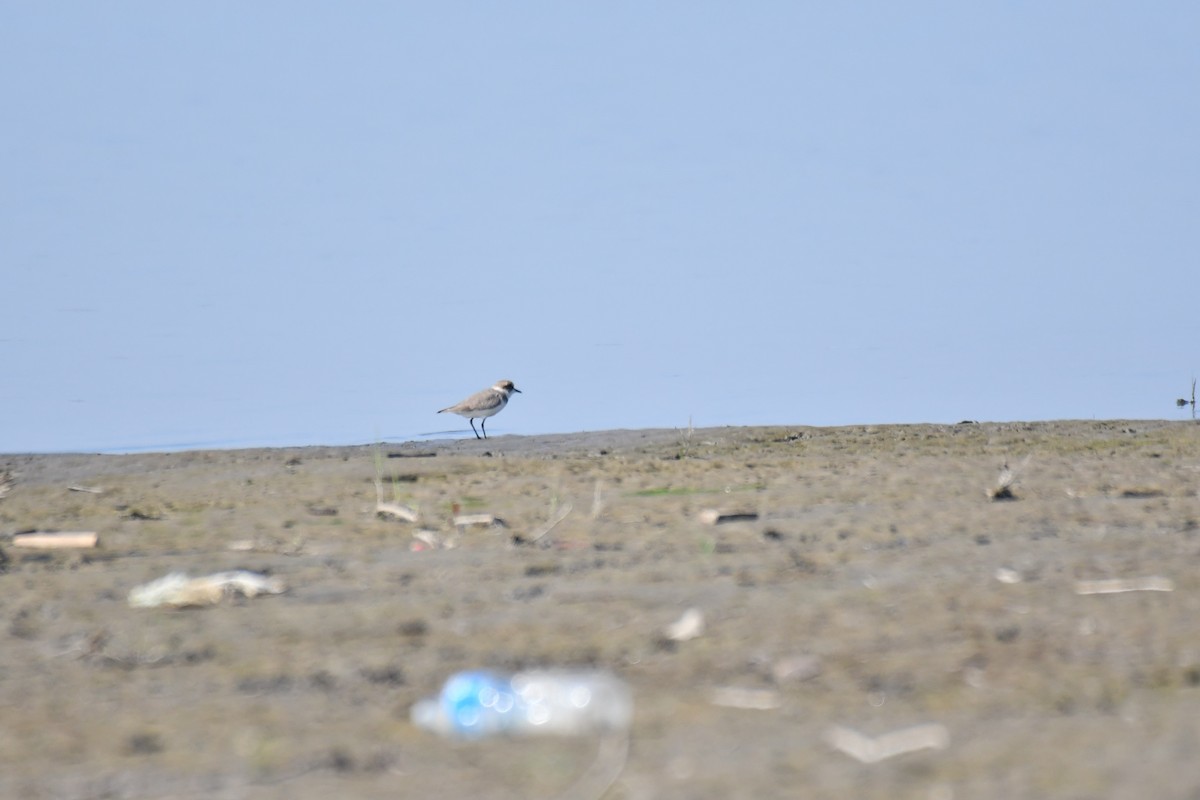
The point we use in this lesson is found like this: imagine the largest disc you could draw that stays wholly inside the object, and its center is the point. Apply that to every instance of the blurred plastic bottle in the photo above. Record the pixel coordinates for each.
(564, 702)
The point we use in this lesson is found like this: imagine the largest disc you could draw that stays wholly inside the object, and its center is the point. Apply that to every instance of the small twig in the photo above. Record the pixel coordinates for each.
(686, 442)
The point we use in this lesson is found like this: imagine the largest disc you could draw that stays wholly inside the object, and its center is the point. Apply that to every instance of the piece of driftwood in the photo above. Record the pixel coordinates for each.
(465, 520)
(396, 510)
(57, 540)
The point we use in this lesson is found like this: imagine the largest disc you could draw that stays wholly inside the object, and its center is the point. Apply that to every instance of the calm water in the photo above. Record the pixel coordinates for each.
(159, 402)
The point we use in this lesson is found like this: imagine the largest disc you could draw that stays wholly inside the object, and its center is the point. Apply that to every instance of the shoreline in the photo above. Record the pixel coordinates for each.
(579, 438)
(851, 582)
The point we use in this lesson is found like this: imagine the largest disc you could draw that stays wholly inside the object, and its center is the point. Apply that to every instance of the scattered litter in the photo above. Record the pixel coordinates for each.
(54, 541)
(429, 540)
(711, 516)
(1006, 575)
(177, 590)
(486, 520)
(476, 704)
(689, 626)
(1153, 583)
(86, 489)
(395, 510)
(753, 699)
(868, 750)
(564, 702)
(796, 668)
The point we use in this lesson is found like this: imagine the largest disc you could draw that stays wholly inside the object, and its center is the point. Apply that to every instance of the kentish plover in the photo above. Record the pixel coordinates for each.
(482, 405)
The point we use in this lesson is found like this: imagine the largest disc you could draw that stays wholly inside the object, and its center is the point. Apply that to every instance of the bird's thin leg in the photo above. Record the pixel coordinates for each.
(472, 421)
(483, 424)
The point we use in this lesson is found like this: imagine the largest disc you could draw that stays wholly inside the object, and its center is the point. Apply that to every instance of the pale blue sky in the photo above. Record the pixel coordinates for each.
(276, 223)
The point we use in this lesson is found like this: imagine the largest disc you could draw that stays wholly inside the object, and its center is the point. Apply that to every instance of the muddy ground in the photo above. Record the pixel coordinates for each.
(880, 587)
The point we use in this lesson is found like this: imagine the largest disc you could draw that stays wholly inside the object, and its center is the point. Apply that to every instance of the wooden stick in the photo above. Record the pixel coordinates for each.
(463, 520)
(54, 541)
(1117, 585)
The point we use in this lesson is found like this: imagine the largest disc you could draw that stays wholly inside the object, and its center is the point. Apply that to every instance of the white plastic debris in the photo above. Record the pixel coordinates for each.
(429, 540)
(1154, 583)
(480, 703)
(1006, 575)
(177, 590)
(870, 750)
(689, 626)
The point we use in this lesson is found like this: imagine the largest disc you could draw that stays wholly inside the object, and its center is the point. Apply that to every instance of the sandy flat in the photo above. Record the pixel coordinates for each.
(863, 586)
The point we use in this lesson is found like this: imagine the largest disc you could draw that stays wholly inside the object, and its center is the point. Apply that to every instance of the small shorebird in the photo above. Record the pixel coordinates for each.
(482, 405)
